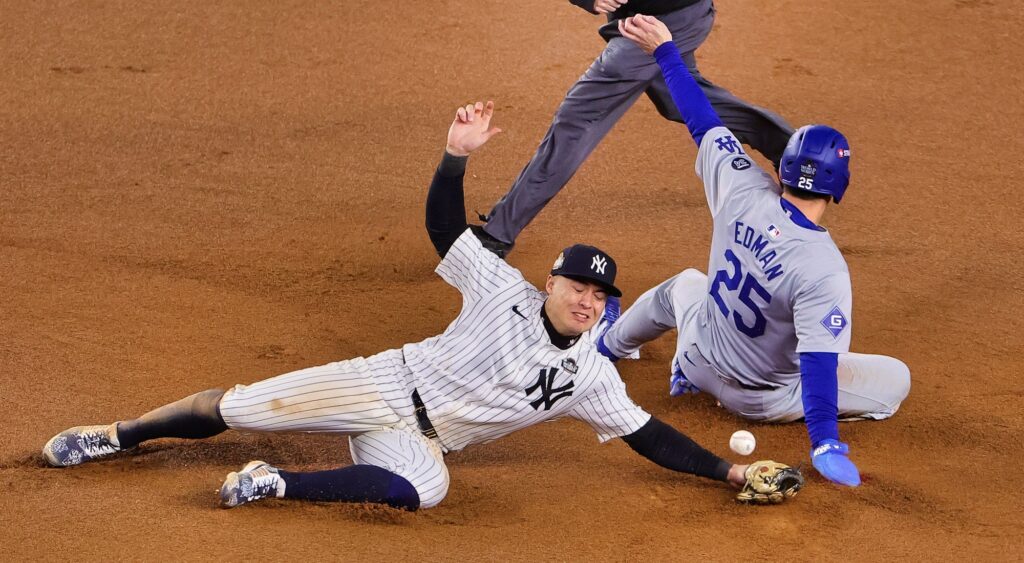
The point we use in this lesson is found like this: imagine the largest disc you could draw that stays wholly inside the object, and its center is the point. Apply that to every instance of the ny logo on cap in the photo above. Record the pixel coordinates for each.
(598, 264)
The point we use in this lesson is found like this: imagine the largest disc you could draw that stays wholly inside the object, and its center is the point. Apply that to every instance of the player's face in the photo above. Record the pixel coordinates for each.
(574, 306)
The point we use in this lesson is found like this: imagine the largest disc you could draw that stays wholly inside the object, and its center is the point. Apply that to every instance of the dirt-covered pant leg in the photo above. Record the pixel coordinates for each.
(672, 304)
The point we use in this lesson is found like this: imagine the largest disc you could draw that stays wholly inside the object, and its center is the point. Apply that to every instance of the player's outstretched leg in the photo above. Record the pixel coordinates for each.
(356, 483)
(194, 417)
(668, 305)
(399, 468)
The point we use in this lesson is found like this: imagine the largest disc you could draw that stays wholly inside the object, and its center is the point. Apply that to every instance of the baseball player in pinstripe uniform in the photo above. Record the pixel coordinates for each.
(513, 357)
(768, 331)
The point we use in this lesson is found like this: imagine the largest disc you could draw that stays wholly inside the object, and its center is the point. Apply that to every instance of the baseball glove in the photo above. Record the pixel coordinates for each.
(770, 482)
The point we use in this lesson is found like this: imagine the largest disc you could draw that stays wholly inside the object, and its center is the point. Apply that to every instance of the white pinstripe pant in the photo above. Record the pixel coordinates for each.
(368, 399)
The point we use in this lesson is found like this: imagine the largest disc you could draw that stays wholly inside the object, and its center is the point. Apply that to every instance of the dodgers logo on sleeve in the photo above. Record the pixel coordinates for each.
(728, 144)
(834, 322)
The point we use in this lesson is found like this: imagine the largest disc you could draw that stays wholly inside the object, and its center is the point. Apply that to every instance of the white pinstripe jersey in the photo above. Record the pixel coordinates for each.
(495, 371)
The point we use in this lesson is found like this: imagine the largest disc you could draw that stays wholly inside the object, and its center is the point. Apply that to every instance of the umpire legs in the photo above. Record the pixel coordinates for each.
(602, 95)
(590, 109)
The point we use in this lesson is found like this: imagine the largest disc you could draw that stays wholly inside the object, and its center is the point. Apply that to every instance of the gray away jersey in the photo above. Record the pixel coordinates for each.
(775, 288)
(494, 369)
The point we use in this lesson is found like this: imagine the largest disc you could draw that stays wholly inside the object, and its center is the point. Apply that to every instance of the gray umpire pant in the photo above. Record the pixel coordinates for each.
(603, 94)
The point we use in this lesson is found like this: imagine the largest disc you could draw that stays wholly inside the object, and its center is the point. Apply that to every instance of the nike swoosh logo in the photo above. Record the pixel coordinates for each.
(515, 309)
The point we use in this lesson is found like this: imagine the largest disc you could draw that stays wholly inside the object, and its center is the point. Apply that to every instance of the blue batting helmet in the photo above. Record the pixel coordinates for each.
(816, 159)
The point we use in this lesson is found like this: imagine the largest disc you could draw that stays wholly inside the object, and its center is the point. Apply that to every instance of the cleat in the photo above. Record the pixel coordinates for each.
(81, 444)
(257, 480)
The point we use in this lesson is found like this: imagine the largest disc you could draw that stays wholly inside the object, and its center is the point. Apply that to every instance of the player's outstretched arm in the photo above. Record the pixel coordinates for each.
(651, 35)
(762, 482)
(674, 450)
(446, 207)
(820, 393)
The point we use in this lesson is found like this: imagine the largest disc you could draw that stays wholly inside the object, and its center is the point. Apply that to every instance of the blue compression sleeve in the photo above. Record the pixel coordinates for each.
(820, 395)
(693, 105)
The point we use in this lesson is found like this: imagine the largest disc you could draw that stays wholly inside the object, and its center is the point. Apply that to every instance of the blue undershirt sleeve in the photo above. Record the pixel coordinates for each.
(820, 394)
(693, 105)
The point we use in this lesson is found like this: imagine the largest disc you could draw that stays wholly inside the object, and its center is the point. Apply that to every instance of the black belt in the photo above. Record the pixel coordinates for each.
(426, 427)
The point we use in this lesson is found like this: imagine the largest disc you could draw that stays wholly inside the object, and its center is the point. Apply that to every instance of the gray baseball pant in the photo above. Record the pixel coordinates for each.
(871, 387)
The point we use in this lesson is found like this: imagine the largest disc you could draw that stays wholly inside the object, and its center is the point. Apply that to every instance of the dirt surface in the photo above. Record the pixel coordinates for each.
(198, 194)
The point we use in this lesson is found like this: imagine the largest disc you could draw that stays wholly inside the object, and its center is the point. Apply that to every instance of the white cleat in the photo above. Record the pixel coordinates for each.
(80, 444)
(257, 480)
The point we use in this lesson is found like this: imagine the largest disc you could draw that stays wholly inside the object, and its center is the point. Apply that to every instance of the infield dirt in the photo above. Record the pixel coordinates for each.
(201, 194)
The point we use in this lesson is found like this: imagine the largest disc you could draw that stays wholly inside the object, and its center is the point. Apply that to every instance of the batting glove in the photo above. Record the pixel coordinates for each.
(678, 384)
(829, 458)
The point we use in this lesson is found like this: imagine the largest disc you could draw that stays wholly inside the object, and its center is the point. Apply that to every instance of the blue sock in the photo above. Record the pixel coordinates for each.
(355, 483)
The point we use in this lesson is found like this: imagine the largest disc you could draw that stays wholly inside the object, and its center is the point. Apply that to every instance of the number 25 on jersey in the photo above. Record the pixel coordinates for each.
(747, 290)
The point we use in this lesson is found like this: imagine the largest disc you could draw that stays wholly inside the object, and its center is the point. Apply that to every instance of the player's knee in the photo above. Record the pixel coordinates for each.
(684, 290)
(898, 379)
(428, 484)
(432, 491)
(693, 276)
(896, 385)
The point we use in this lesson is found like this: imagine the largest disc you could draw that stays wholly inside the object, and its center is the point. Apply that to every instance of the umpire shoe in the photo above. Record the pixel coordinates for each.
(80, 444)
(257, 480)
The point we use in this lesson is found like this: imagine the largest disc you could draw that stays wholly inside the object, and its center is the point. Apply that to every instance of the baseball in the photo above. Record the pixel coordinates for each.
(742, 442)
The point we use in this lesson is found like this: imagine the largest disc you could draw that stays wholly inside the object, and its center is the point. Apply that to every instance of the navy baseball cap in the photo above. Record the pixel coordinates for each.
(587, 263)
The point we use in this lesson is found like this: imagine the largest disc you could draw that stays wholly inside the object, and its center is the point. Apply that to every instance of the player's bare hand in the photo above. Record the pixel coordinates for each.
(737, 476)
(471, 128)
(648, 32)
(608, 6)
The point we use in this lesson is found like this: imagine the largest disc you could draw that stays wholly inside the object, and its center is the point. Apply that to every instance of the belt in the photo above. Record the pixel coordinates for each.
(426, 427)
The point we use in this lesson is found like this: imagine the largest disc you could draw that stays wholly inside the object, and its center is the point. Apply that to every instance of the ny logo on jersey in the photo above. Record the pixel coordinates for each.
(549, 394)
(728, 144)
(598, 264)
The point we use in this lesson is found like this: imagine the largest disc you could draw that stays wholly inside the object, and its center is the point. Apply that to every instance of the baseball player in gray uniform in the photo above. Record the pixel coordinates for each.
(603, 94)
(513, 357)
(767, 332)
